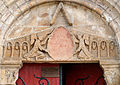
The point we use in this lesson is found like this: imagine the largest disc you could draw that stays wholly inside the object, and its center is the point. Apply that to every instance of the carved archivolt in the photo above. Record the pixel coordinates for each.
(34, 47)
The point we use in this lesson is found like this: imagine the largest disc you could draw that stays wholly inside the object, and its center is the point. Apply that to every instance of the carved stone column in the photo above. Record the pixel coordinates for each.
(111, 72)
(9, 74)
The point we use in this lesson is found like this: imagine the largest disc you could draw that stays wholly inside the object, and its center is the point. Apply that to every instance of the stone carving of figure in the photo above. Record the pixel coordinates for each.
(83, 51)
(37, 51)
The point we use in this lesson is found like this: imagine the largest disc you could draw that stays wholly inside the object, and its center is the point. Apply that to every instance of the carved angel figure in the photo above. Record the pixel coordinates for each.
(37, 51)
(82, 50)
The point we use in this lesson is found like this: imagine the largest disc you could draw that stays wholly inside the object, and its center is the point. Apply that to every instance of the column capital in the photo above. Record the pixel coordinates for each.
(9, 74)
(111, 71)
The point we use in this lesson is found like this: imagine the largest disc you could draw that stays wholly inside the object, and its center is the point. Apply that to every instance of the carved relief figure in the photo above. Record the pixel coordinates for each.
(8, 50)
(82, 49)
(38, 48)
(112, 49)
(94, 48)
(24, 49)
(16, 53)
(103, 49)
(86, 38)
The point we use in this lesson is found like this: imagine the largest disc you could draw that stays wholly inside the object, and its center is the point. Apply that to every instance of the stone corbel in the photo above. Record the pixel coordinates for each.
(9, 74)
(111, 72)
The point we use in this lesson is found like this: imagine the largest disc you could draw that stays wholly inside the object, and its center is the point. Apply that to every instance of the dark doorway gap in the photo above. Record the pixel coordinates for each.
(91, 73)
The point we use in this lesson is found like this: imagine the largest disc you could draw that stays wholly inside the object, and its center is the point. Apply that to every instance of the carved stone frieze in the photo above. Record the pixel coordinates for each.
(94, 47)
(38, 46)
(29, 48)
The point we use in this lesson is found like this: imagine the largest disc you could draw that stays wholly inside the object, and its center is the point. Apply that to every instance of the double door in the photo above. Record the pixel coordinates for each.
(61, 74)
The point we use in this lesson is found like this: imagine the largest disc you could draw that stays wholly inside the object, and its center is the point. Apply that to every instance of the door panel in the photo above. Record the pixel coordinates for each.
(61, 74)
(31, 74)
(83, 74)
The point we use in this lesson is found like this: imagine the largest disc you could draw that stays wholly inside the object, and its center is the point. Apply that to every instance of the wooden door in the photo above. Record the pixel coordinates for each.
(63, 74)
(39, 74)
(83, 74)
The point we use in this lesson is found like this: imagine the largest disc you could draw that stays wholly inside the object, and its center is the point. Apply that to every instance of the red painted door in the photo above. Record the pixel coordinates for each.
(39, 74)
(64, 74)
(83, 74)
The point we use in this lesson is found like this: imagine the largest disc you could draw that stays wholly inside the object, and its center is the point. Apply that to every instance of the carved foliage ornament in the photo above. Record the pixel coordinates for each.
(9, 75)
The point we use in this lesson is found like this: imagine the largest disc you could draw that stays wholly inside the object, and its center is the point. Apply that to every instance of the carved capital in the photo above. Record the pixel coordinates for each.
(112, 73)
(8, 74)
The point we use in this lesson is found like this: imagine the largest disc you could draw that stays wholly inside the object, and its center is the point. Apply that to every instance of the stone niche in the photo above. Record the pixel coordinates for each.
(60, 32)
